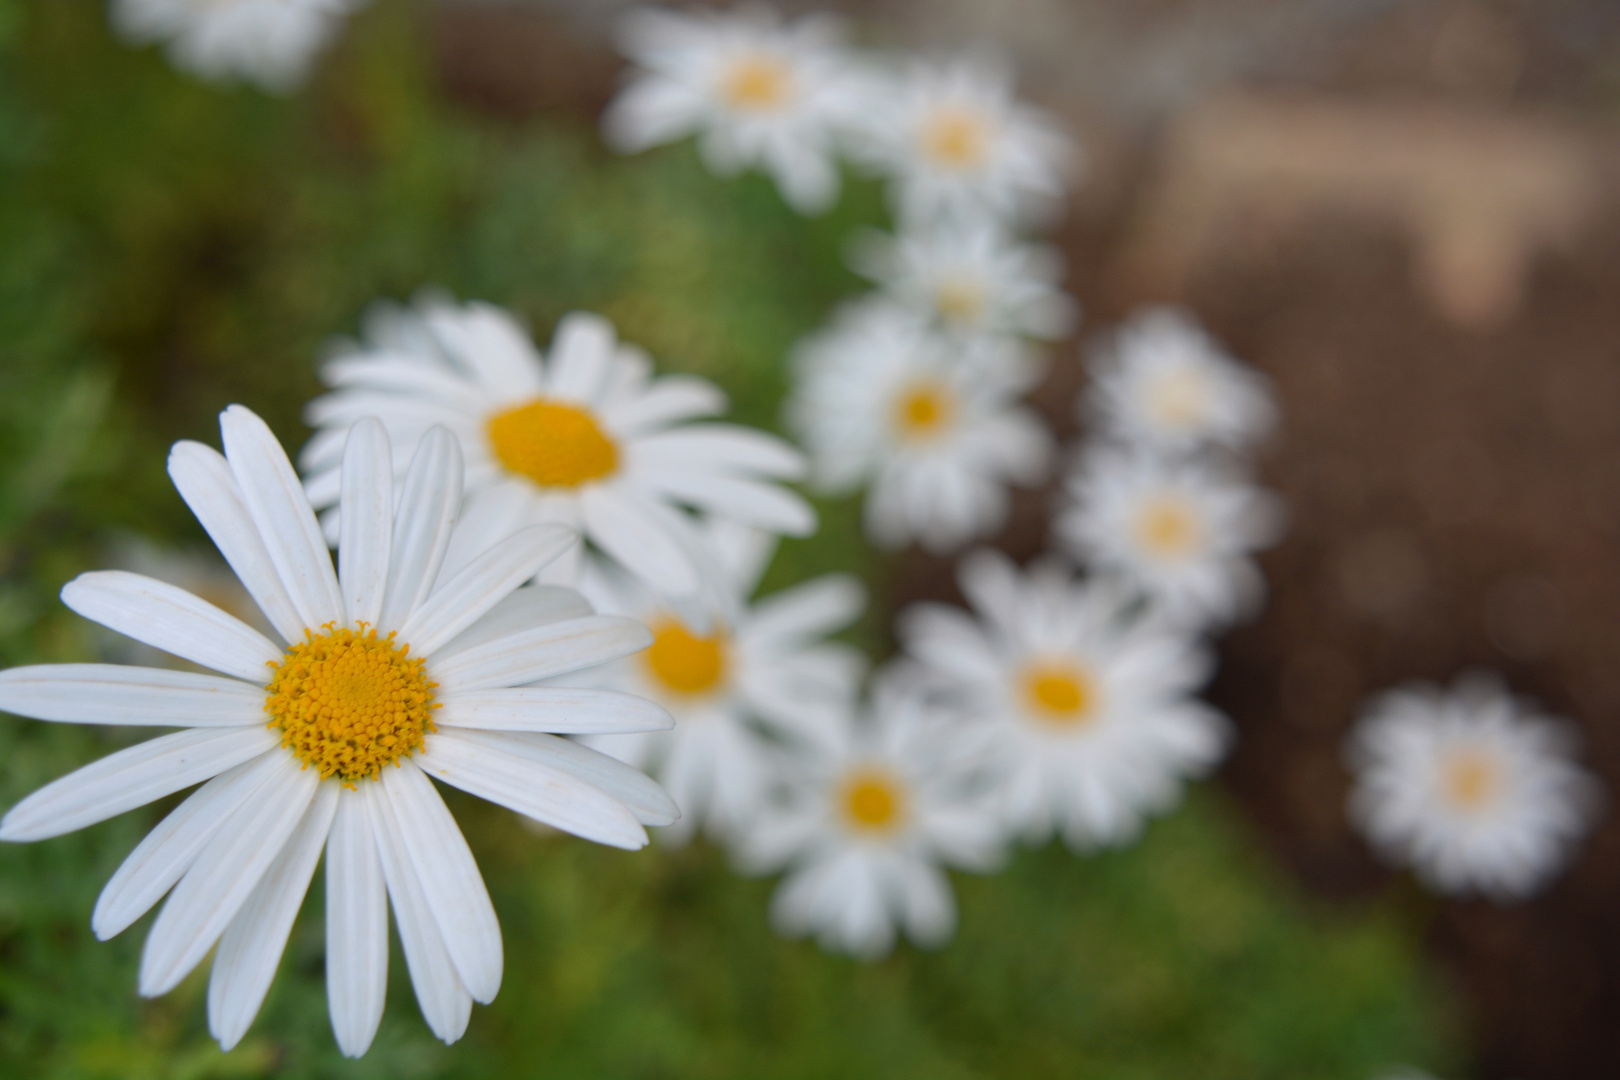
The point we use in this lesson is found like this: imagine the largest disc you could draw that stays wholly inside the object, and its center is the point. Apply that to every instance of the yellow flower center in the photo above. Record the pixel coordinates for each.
(553, 444)
(1062, 695)
(1470, 780)
(872, 801)
(1177, 399)
(349, 702)
(923, 411)
(758, 83)
(960, 300)
(684, 663)
(1167, 527)
(956, 138)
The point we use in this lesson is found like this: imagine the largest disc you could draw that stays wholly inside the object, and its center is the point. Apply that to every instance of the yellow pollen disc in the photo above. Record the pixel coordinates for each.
(960, 300)
(1470, 780)
(1060, 694)
(553, 444)
(1167, 527)
(872, 801)
(1177, 399)
(923, 411)
(759, 83)
(956, 138)
(349, 702)
(683, 662)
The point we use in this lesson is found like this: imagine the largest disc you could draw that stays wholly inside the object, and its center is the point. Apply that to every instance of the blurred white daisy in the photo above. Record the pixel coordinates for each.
(1091, 715)
(970, 277)
(1180, 533)
(954, 140)
(936, 434)
(585, 437)
(756, 91)
(1164, 383)
(326, 739)
(1470, 787)
(869, 813)
(772, 664)
(269, 42)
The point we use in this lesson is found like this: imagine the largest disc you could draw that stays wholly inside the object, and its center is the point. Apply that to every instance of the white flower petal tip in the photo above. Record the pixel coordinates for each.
(114, 694)
(271, 45)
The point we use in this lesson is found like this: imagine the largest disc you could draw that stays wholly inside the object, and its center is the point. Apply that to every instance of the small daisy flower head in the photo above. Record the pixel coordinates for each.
(381, 677)
(1179, 533)
(935, 432)
(1092, 715)
(968, 276)
(1165, 384)
(770, 665)
(868, 814)
(269, 42)
(1469, 786)
(954, 140)
(585, 437)
(755, 90)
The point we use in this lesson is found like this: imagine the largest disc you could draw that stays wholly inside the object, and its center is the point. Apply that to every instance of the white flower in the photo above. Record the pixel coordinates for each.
(1470, 787)
(756, 91)
(938, 435)
(326, 739)
(585, 437)
(270, 42)
(771, 664)
(868, 813)
(1179, 533)
(970, 277)
(1091, 715)
(1166, 384)
(955, 140)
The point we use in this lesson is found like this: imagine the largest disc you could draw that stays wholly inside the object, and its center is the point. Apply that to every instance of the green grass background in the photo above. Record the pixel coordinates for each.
(168, 247)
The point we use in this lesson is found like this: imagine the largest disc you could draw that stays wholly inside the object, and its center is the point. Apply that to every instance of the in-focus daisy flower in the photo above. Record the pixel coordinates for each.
(954, 139)
(771, 664)
(1180, 533)
(327, 738)
(936, 433)
(970, 277)
(869, 813)
(1471, 788)
(584, 437)
(1164, 383)
(756, 91)
(1091, 714)
(269, 42)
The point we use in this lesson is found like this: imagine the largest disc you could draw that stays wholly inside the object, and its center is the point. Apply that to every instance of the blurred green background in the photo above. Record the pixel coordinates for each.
(169, 247)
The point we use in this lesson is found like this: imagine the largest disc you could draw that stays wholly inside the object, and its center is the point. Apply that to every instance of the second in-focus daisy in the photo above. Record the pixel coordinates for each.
(270, 42)
(1469, 786)
(326, 740)
(936, 435)
(1180, 533)
(1092, 717)
(755, 90)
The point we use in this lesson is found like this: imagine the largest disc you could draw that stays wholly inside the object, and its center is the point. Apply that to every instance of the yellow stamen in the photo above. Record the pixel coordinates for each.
(1167, 527)
(683, 662)
(1470, 780)
(872, 801)
(553, 444)
(1060, 694)
(348, 702)
(924, 410)
(956, 138)
(758, 83)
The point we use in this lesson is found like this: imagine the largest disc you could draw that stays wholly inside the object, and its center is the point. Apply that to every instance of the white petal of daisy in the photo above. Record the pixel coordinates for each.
(458, 603)
(356, 926)
(423, 525)
(541, 653)
(119, 694)
(521, 610)
(367, 512)
(556, 709)
(650, 804)
(269, 42)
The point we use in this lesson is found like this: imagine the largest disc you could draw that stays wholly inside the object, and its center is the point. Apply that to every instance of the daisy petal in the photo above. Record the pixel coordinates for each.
(119, 694)
(131, 778)
(560, 710)
(581, 351)
(356, 926)
(276, 500)
(622, 526)
(171, 619)
(670, 400)
(492, 346)
(729, 448)
(645, 799)
(251, 949)
(427, 515)
(521, 609)
(531, 655)
(459, 602)
(366, 525)
(764, 506)
(493, 767)
(830, 602)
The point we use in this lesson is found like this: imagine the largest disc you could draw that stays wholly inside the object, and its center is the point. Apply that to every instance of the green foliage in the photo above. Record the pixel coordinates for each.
(170, 247)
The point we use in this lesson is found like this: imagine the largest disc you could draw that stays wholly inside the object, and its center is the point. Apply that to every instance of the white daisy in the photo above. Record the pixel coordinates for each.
(938, 435)
(585, 437)
(1179, 533)
(970, 277)
(868, 814)
(1164, 383)
(955, 140)
(1091, 714)
(771, 664)
(1472, 788)
(756, 90)
(327, 737)
(270, 42)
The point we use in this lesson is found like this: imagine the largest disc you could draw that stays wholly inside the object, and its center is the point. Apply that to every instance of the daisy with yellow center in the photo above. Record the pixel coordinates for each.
(389, 674)
(1090, 718)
